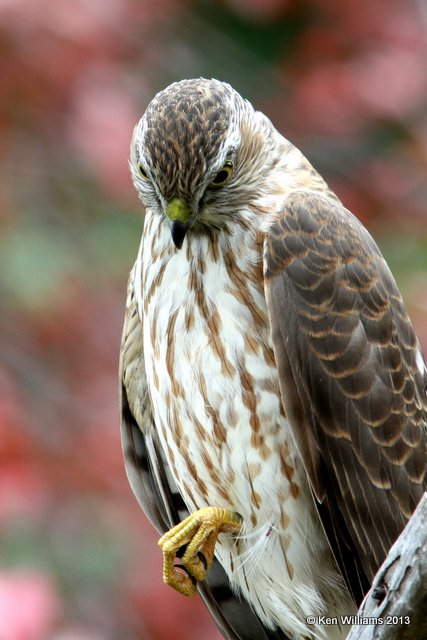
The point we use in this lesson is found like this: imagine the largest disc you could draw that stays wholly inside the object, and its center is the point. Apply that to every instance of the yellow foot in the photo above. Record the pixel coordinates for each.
(196, 536)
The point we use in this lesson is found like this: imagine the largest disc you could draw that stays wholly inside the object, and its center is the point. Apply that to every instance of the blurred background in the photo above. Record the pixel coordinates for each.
(345, 81)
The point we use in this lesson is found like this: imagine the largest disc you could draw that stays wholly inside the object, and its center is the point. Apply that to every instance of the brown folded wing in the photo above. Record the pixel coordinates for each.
(351, 377)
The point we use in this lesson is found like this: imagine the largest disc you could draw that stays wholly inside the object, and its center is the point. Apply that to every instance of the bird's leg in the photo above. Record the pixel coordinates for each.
(198, 534)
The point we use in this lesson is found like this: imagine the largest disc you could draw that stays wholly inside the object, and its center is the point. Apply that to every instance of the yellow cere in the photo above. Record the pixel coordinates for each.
(177, 210)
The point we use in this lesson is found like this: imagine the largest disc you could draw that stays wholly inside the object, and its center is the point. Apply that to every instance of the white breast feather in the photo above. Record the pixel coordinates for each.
(257, 562)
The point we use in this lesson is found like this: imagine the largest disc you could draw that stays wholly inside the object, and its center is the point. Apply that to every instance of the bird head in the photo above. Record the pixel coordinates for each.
(198, 156)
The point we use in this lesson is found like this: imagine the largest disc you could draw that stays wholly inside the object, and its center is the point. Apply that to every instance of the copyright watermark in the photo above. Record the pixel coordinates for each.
(358, 620)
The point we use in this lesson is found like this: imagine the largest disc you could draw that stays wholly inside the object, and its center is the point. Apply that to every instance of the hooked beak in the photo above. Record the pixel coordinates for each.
(180, 220)
(178, 231)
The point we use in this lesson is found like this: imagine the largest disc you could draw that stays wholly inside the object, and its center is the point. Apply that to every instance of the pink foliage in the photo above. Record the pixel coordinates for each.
(377, 88)
(29, 606)
(100, 126)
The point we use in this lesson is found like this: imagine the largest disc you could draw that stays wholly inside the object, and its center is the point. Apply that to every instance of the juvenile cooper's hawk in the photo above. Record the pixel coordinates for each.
(272, 384)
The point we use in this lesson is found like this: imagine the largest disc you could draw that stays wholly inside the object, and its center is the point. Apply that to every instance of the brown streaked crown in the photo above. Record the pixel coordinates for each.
(185, 128)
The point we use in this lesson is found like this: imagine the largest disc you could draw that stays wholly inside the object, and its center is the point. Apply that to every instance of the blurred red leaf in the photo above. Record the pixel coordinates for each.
(29, 605)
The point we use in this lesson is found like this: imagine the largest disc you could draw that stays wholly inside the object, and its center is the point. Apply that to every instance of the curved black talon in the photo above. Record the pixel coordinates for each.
(181, 551)
(192, 578)
(202, 560)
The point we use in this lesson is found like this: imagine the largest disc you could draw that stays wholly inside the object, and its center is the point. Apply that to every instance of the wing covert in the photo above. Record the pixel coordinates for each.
(350, 377)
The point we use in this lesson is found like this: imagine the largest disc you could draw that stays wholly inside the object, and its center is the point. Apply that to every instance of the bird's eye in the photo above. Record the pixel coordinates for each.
(142, 172)
(223, 175)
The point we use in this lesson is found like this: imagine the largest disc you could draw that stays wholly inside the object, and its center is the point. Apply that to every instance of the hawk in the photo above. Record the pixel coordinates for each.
(273, 396)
